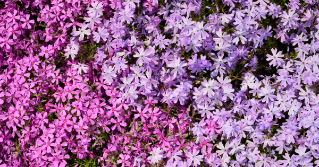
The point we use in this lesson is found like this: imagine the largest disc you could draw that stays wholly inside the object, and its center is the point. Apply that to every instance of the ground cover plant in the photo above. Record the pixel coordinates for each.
(159, 83)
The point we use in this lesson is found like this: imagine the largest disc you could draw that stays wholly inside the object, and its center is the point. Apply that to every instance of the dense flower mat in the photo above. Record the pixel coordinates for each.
(159, 83)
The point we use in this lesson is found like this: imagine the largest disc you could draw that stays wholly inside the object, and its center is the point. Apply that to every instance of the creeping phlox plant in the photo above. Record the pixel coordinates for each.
(159, 83)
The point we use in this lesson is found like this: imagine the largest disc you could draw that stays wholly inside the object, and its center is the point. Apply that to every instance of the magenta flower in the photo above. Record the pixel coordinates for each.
(118, 123)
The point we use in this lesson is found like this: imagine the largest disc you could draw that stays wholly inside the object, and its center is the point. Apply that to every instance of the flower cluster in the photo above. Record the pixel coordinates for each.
(159, 83)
